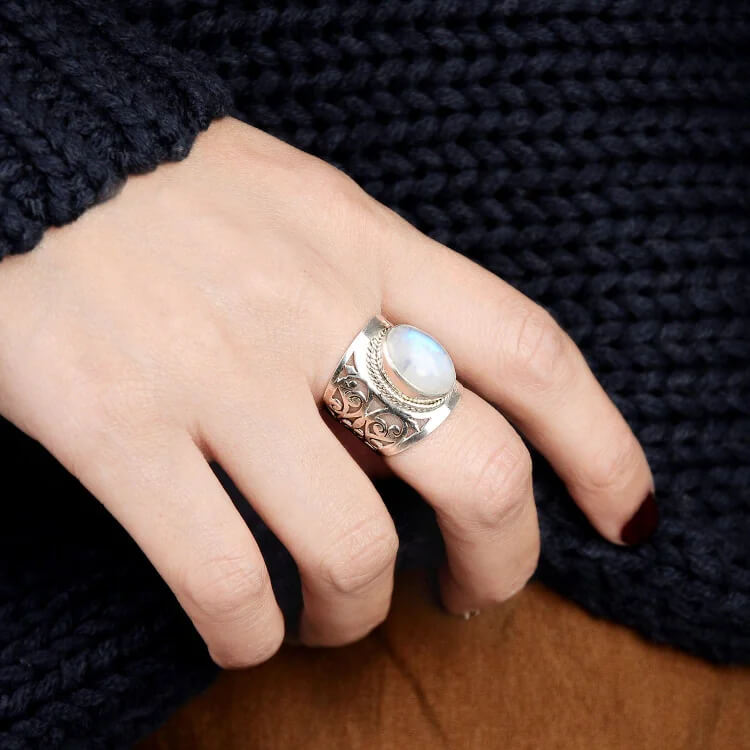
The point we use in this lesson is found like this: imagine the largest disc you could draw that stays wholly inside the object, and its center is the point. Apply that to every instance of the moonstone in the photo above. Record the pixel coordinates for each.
(419, 361)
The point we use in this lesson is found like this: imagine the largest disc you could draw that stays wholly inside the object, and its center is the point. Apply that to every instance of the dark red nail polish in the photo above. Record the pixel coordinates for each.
(643, 523)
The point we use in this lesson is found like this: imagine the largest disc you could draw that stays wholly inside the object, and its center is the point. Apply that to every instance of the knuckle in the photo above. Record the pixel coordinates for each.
(303, 297)
(614, 464)
(294, 289)
(109, 402)
(117, 407)
(501, 485)
(107, 421)
(225, 588)
(325, 179)
(341, 204)
(540, 349)
(197, 338)
(360, 558)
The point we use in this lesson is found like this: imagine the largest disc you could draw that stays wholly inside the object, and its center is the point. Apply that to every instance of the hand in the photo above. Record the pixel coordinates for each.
(199, 315)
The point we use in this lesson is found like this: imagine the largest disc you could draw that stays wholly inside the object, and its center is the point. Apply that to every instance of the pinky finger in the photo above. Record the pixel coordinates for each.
(178, 513)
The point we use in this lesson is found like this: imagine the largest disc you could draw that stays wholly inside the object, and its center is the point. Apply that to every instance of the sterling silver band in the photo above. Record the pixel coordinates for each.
(363, 397)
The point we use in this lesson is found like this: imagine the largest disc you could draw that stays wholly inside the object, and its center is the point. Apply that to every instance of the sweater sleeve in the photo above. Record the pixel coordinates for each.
(87, 97)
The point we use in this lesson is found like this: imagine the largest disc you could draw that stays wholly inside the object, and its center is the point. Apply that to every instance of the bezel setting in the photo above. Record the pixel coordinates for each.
(394, 388)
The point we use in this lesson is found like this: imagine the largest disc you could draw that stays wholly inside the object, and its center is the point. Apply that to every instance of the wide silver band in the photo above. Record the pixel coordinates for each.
(363, 398)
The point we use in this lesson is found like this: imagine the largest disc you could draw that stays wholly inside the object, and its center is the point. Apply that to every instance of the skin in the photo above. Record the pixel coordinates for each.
(198, 315)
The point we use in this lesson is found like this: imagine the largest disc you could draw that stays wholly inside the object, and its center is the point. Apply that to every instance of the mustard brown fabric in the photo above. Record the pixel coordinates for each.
(536, 673)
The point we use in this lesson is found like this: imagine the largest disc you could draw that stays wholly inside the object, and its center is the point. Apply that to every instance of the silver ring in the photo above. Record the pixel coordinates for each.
(393, 386)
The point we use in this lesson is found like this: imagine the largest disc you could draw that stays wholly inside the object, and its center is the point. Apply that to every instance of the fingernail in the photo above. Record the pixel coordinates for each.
(469, 614)
(643, 523)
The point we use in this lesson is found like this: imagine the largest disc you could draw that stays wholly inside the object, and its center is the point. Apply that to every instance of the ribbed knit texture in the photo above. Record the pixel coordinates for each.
(86, 99)
(594, 154)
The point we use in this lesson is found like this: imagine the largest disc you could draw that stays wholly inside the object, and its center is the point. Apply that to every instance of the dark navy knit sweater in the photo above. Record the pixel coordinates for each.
(595, 154)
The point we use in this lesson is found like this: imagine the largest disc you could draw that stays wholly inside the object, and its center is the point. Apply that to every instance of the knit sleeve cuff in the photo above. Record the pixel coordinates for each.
(87, 98)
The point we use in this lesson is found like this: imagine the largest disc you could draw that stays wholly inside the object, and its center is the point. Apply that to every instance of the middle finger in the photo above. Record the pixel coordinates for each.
(311, 493)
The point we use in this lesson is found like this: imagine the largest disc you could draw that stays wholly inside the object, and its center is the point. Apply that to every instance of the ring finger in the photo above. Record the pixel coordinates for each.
(476, 473)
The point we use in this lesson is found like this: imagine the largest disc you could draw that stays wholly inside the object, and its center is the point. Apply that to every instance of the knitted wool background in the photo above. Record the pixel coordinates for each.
(594, 154)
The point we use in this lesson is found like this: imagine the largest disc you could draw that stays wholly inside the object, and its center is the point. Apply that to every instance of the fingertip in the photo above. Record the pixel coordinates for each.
(615, 487)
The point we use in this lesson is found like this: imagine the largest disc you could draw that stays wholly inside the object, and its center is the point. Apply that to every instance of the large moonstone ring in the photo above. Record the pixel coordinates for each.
(394, 385)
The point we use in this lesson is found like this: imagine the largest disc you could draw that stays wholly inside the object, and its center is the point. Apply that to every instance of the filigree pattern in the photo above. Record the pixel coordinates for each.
(364, 401)
(353, 403)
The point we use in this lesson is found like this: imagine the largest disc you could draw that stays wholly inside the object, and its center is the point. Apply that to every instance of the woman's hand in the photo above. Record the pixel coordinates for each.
(199, 315)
